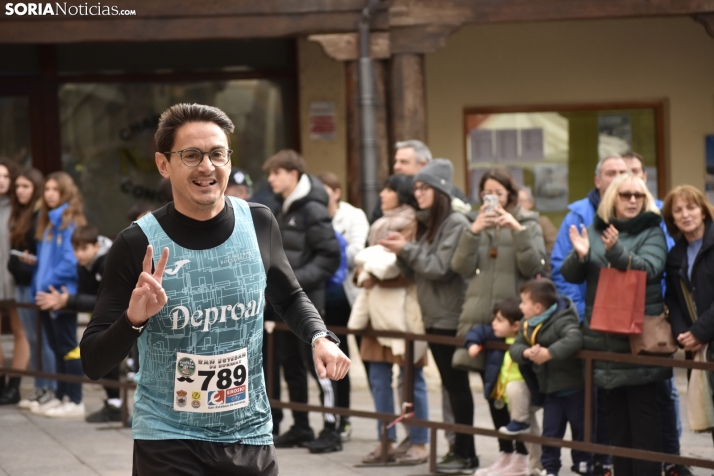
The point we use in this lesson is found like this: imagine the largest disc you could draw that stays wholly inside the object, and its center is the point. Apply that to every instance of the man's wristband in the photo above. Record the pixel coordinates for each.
(326, 334)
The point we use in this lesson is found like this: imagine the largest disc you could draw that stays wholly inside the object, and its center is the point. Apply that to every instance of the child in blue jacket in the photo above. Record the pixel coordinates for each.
(508, 394)
(61, 213)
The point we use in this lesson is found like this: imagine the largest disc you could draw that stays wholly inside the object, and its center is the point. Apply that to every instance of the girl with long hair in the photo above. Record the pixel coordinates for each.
(440, 292)
(10, 391)
(26, 203)
(61, 212)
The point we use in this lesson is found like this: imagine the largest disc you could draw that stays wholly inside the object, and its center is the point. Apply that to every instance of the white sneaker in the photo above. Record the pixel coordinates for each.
(518, 466)
(501, 462)
(41, 409)
(35, 395)
(66, 410)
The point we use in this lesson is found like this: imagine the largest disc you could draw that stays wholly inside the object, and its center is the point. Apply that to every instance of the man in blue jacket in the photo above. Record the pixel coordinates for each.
(581, 214)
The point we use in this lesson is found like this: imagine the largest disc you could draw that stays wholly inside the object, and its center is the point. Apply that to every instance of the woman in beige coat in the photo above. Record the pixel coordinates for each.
(388, 302)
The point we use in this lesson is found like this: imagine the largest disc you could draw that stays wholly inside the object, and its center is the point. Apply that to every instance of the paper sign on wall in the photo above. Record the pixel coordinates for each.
(323, 120)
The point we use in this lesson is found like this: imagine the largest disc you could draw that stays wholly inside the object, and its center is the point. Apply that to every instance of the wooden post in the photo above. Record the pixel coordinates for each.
(354, 170)
(407, 97)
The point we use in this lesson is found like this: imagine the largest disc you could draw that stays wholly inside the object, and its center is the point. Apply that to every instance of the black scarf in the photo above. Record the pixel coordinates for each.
(631, 226)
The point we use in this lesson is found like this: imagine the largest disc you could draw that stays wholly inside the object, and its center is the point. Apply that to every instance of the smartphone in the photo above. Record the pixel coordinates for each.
(20, 254)
(491, 202)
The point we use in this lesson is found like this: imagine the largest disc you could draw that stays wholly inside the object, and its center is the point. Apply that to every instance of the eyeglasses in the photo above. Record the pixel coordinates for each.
(628, 195)
(193, 157)
(421, 188)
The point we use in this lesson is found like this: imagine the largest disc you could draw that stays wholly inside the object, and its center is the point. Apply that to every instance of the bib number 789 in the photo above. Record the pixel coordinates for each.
(225, 377)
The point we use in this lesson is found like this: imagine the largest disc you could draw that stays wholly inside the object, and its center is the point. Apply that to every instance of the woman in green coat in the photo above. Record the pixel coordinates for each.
(625, 234)
(502, 249)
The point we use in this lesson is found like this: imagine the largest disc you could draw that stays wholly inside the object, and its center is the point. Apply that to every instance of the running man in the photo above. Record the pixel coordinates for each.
(189, 282)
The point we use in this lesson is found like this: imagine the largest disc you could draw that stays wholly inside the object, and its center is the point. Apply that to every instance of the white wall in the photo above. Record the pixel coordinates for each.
(578, 62)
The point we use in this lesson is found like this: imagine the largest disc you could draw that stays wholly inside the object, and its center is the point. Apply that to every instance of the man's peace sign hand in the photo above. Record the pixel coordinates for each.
(148, 297)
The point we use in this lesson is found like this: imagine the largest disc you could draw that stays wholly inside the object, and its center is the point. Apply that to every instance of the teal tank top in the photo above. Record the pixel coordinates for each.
(201, 369)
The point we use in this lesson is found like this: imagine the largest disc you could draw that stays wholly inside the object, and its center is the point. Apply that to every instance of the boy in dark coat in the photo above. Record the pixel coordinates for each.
(549, 334)
(506, 389)
(91, 250)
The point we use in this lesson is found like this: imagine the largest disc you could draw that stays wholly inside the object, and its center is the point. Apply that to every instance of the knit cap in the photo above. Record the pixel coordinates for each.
(437, 174)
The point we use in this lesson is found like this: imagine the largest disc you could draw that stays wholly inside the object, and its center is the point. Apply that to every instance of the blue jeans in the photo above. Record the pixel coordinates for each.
(380, 379)
(61, 330)
(28, 317)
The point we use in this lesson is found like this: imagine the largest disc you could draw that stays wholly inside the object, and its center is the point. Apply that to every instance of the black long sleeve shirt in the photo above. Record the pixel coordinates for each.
(109, 335)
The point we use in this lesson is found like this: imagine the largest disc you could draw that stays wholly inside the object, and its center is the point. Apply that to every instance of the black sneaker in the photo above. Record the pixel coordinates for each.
(678, 470)
(600, 469)
(106, 414)
(294, 437)
(455, 464)
(328, 441)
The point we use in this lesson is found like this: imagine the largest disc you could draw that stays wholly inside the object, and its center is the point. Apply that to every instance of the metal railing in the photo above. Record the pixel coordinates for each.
(589, 356)
(123, 386)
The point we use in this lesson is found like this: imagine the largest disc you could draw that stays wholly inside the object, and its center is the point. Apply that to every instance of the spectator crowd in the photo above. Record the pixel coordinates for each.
(425, 263)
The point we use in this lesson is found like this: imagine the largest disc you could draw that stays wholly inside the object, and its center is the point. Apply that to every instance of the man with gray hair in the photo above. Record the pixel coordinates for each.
(411, 157)
(581, 214)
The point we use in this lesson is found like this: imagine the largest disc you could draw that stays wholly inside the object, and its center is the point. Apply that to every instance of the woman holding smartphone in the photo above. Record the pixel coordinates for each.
(501, 249)
(10, 390)
(23, 225)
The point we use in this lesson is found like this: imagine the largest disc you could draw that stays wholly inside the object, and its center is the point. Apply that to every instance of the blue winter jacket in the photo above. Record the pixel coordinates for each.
(483, 333)
(582, 213)
(56, 264)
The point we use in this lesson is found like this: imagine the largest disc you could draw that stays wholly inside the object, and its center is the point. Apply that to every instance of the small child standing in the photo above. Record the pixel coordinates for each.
(90, 250)
(549, 335)
(507, 393)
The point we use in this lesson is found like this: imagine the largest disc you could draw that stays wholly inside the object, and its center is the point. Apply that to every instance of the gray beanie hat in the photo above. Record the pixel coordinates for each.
(438, 174)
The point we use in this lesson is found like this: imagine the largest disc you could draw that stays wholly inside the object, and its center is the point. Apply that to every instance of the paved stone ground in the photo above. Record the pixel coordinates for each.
(35, 445)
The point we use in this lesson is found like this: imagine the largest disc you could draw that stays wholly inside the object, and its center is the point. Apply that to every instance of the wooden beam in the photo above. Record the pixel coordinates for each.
(458, 12)
(407, 97)
(345, 47)
(707, 21)
(419, 38)
(165, 29)
(204, 8)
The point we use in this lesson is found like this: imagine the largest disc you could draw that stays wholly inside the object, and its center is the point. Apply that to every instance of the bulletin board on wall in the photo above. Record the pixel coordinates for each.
(554, 149)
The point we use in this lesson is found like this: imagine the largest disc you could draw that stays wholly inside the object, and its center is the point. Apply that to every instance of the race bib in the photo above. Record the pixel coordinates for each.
(211, 383)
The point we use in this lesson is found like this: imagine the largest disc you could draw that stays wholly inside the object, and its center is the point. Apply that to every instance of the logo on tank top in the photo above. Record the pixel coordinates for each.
(181, 316)
(179, 265)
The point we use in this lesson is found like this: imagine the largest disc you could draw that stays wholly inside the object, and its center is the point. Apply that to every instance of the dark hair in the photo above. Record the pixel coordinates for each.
(331, 180)
(21, 217)
(502, 176)
(541, 291)
(440, 211)
(180, 114)
(510, 309)
(403, 185)
(634, 155)
(286, 159)
(137, 209)
(85, 235)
